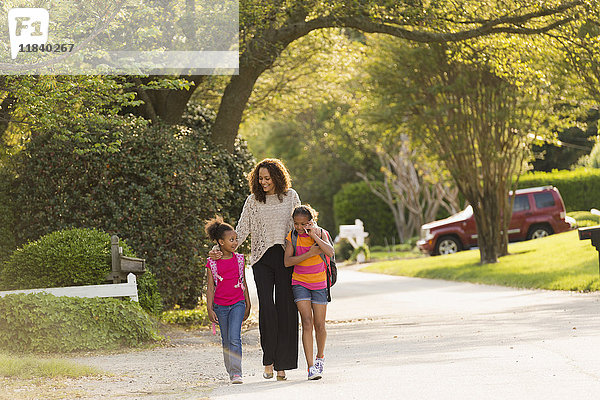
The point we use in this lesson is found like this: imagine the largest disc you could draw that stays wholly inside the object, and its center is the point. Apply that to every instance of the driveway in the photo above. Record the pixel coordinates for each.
(396, 337)
(389, 338)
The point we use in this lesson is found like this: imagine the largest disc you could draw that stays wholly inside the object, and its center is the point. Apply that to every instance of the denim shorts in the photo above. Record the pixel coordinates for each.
(318, 296)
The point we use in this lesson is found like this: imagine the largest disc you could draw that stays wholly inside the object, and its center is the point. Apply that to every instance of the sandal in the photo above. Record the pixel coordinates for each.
(281, 377)
(268, 375)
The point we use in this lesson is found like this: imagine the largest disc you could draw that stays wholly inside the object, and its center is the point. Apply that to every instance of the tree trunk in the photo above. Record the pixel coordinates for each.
(233, 104)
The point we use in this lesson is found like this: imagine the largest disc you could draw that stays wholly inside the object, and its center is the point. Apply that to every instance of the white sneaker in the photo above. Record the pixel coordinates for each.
(313, 373)
(320, 364)
(237, 379)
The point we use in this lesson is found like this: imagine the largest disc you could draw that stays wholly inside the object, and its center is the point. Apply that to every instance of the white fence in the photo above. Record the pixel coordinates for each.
(128, 289)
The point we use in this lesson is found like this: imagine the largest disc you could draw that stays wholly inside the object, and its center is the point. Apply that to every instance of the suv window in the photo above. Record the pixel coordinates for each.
(543, 200)
(521, 203)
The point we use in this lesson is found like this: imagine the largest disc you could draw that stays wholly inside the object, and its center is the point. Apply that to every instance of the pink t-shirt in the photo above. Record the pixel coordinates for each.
(226, 293)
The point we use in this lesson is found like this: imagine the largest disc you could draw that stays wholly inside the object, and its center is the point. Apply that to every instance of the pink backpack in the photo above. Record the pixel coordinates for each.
(213, 268)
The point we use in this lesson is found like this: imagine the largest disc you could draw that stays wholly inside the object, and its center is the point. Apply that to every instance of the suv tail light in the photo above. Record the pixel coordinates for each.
(563, 215)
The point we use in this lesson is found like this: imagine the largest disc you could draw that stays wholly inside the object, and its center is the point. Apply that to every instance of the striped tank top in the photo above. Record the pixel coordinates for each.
(310, 273)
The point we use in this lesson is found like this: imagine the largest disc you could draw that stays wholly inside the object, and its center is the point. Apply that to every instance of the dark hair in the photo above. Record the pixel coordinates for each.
(306, 210)
(279, 175)
(215, 228)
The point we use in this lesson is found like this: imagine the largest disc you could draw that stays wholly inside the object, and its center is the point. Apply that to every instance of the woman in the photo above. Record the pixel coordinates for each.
(267, 218)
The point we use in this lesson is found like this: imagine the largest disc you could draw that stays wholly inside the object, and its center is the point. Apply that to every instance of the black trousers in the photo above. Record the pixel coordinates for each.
(277, 317)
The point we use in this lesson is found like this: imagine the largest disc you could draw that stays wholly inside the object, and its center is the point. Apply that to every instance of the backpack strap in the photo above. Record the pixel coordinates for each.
(241, 266)
(294, 236)
(213, 268)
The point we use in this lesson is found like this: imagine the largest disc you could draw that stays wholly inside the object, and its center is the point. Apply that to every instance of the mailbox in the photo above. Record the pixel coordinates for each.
(592, 233)
(122, 265)
(132, 264)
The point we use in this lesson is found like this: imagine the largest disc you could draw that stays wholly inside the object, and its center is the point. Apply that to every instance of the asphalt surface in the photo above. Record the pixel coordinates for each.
(406, 338)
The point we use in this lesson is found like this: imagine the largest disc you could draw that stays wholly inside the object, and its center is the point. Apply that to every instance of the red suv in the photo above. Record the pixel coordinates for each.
(537, 212)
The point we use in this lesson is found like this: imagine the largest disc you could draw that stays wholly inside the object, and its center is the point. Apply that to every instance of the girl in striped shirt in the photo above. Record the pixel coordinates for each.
(309, 282)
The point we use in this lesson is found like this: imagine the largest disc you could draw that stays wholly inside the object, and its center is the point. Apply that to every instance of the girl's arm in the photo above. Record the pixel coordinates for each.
(323, 243)
(289, 260)
(210, 296)
(247, 298)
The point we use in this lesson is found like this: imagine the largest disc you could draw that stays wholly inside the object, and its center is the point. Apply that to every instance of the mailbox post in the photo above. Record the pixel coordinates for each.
(593, 233)
(122, 265)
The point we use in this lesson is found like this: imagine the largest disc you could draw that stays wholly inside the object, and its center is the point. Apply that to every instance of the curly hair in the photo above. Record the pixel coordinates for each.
(216, 227)
(279, 175)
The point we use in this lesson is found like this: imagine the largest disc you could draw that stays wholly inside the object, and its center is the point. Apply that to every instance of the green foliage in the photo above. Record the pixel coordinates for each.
(575, 145)
(580, 188)
(155, 192)
(356, 201)
(7, 238)
(71, 257)
(17, 366)
(197, 316)
(585, 218)
(45, 323)
(360, 249)
(343, 250)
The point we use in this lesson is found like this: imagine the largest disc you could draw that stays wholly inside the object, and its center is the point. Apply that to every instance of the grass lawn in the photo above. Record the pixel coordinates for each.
(394, 255)
(33, 367)
(557, 262)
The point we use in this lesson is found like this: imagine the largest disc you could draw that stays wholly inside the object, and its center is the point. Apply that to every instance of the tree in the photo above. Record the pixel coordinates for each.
(475, 122)
(413, 188)
(266, 29)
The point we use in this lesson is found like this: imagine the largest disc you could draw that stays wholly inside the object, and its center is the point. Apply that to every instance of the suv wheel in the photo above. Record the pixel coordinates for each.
(447, 245)
(539, 231)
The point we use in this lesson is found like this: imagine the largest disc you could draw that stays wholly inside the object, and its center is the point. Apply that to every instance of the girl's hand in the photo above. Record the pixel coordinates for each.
(312, 229)
(315, 250)
(213, 316)
(215, 253)
(247, 312)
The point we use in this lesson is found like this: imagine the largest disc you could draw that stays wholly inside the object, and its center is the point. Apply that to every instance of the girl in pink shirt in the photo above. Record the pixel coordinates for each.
(227, 299)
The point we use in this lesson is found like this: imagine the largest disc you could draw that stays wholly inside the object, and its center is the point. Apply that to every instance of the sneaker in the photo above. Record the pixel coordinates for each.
(237, 379)
(320, 364)
(313, 373)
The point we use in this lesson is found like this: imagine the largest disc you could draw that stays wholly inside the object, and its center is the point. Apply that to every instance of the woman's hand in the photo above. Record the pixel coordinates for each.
(212, 315)
(215, 253)
(247, 312)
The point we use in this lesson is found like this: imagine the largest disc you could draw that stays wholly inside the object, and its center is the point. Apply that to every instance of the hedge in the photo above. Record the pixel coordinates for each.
(45, 323)
(156, 191)
(356, 201)
(580, 188)
(72, 257)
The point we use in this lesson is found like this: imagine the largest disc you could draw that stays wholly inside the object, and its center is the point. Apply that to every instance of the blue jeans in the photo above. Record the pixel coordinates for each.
(230, 324)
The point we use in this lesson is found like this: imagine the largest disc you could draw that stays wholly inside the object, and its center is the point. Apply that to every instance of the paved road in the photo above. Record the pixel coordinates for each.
(407, 338)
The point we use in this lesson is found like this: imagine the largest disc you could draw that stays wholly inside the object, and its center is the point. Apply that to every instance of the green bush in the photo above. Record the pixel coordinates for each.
(72, 257)
(45, 323)
(585, 218)
(7, 238)
(580, 188)
(356, 201)
(343, 250)
(156, 191)
(197, 316)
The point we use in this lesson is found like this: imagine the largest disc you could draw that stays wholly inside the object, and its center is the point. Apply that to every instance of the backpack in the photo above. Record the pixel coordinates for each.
(213, 268)
(331, 269)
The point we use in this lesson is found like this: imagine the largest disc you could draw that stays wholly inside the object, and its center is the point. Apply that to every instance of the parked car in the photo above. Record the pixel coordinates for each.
(537, 212)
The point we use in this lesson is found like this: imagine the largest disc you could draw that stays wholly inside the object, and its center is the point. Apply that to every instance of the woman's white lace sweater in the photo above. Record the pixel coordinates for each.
(267, 223)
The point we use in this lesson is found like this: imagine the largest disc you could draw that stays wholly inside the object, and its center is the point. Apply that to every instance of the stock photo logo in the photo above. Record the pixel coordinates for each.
(28, 27)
